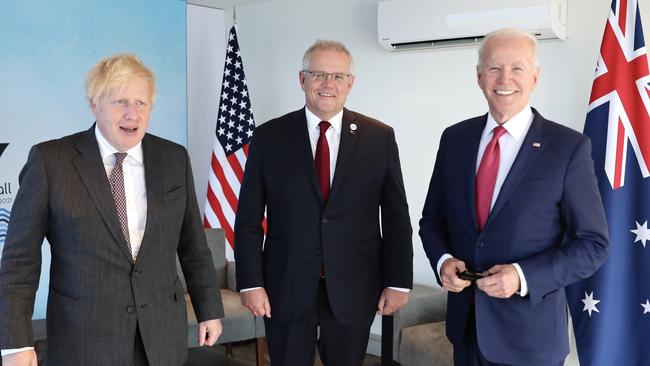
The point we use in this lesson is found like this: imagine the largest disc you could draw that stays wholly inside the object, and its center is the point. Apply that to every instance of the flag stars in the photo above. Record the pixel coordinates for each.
(228, 61)
(231, 36)
(240, 128)
(242, 117)
(646, 306)
(222, 119)
(224, 95)
(239, 140)
(228, 147)
(237, 64)
(590, 303)
(231, 124)
(642, 233)
(229, 135)
(232, 112)
(242, 104)
(251, 121)
(249, 133)
(223, 108)
(230, 49)
(221, 131)
(226, 84)
(236, 76)
(233, 100)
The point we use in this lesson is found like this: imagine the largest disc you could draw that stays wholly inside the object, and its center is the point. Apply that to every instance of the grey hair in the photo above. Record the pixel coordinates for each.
(325, 45)
(508, 33)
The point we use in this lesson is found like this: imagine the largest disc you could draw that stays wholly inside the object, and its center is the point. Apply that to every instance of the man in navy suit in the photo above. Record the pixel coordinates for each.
(513, 198)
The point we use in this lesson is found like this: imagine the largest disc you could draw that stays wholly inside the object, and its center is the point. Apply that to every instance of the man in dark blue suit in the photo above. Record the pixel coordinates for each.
(513, 199)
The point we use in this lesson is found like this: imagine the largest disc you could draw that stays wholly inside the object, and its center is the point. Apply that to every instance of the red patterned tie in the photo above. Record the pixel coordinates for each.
(322, 161)
(116, 179)
(486, 177)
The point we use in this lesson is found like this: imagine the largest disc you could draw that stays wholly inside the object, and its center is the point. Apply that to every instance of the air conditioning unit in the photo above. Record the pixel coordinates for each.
(421, 24)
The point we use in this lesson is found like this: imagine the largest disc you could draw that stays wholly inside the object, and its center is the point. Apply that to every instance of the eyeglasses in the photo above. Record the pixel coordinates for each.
(320, 76)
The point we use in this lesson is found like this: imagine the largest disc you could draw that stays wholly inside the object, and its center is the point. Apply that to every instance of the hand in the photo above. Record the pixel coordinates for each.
(209, 332)
(257, 302)
(24, 358)
(449, 271)
(502, 282)
(391, 301)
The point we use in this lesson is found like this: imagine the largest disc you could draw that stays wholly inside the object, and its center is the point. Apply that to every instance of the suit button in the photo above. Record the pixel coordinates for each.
(480, 245)
(136, 273)
(325, 220)
(130, 309)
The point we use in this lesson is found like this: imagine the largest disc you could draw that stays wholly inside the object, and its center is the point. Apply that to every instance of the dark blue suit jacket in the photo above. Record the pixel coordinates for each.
(548, 217)
(362, 235)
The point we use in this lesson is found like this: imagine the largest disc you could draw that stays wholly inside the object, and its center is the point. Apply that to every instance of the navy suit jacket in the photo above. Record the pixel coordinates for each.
(548, 217)
(359, 256)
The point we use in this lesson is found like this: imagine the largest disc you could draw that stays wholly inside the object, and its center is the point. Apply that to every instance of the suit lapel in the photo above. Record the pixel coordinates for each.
(525, 158)
(152, 169)
(300, 138)
(469, 167)
(349, 138)
(90, 168)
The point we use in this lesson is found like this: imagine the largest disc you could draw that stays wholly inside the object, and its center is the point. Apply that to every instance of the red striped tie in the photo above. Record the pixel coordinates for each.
(486, 177)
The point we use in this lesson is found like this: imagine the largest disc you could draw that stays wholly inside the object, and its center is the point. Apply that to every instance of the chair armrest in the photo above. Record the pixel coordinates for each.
(232, 279)
(426, 305)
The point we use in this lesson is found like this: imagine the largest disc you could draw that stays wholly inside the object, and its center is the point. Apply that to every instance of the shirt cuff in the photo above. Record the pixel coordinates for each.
(441, 261)
(11, 351)
(400, 289)
(523, 285)
(249, 289)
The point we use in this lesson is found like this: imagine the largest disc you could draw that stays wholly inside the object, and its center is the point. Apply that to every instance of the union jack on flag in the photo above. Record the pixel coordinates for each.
(235, 126)
(611, 309)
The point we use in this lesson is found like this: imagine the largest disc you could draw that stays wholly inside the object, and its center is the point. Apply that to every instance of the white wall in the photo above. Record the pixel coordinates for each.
(206, 51)
(418, 93)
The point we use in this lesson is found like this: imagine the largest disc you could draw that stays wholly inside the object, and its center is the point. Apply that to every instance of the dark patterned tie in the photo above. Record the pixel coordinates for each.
(486, 177)
(322, 161)
(117, 188)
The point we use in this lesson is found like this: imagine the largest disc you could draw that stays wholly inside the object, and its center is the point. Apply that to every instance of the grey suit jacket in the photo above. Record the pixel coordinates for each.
(97, 294)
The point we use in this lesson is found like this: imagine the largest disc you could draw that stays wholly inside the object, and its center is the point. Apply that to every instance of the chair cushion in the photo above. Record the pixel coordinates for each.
(238, 324)
(425, 345)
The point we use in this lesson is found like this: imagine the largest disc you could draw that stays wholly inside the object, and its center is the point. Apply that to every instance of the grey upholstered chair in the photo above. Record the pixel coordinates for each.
(238, 324)
(419, 329)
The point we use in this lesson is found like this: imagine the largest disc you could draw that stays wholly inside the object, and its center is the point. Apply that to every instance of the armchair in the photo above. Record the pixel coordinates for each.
(419, 329)
(238, 324)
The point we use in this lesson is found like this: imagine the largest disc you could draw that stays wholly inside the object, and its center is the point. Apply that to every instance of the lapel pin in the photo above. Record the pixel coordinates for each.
(353, 128)
(537, 144)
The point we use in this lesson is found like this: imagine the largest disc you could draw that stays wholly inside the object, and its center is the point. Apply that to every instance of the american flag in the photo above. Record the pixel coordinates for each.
(235, 126)
(611, 309)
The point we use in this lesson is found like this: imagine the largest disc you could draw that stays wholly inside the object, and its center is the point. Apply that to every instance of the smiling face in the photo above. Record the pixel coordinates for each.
(326, 98)
(507, 75)
(123, 114)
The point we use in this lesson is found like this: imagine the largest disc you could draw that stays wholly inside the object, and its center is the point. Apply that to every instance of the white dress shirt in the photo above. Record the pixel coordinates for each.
(135, 192)
(509, 143)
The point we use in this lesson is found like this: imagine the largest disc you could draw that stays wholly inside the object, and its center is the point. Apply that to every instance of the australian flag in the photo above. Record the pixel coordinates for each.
(611, 309)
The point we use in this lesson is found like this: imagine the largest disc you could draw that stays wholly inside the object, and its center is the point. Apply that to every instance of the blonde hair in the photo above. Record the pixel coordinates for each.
(113, 72)
(324, 45)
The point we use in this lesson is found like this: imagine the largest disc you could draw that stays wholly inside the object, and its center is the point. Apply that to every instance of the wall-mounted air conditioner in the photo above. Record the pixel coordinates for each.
(420, 24)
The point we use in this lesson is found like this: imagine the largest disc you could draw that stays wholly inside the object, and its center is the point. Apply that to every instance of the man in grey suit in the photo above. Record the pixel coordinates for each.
(116, 205)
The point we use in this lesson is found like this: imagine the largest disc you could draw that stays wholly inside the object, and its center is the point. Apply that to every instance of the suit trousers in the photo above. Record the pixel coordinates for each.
(468, 353)
(139, 354)
(293, 343)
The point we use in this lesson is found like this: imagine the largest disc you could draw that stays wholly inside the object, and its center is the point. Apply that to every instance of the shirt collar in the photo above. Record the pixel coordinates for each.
(106, 150)
(313, 120)
(517, 126)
